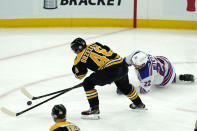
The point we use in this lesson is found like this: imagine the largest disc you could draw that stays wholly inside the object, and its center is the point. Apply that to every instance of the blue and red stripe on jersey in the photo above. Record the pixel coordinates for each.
(169, 74)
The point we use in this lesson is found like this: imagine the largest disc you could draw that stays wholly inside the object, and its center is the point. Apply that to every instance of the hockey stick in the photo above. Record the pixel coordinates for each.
(10, 113)
(26, 93)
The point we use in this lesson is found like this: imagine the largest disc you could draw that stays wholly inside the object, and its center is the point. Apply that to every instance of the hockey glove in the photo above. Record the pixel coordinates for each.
(143, 91)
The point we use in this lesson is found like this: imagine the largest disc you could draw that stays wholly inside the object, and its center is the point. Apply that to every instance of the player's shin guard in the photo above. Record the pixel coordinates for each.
(92, 97)
(137, 103)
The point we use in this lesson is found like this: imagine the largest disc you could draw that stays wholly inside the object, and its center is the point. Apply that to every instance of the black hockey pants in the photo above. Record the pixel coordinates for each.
(116, 73)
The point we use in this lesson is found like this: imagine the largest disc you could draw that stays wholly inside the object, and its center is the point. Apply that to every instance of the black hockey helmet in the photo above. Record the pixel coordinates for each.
(78, 45)
(58, 112)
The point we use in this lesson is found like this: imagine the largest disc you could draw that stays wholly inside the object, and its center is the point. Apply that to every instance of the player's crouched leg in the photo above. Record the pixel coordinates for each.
(92, 97)
(131, 93)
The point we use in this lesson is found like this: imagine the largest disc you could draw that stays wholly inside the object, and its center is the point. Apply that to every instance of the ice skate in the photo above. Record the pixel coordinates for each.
(91, 114)
(119, 92)
(138, 107)
(186, 77)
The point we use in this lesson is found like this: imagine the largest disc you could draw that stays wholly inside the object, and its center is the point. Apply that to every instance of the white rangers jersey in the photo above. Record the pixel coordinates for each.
(158, 71)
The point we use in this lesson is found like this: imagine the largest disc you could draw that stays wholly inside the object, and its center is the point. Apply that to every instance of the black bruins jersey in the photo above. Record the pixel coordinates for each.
(94, 57)
(64, 126)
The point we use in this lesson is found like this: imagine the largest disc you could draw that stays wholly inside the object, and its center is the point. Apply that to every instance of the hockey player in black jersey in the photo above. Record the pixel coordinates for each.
(195, 129)
(59, 115)
(107, 67)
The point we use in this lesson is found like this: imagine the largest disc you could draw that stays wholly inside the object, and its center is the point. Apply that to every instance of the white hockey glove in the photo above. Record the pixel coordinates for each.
(142, 90)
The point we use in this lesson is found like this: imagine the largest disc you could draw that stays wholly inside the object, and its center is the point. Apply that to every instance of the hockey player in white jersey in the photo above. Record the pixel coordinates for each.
(153, 70)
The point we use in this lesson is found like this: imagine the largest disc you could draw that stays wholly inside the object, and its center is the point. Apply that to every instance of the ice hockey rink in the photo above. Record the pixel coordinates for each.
(40, 60)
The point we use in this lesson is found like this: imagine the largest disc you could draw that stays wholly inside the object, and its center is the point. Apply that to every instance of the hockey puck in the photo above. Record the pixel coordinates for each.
(29, 103)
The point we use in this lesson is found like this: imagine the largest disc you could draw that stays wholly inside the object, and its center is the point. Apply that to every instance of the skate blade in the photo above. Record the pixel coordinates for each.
(139, 109)
(90, 117)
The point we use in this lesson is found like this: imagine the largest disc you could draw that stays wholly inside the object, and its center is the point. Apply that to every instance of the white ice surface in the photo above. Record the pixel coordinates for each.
(40, 60)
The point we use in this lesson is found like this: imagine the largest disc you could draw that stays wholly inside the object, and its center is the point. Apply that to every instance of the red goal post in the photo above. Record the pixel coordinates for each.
(134, 13)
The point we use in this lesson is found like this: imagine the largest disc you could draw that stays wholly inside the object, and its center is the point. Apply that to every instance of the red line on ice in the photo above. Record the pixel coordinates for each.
(187, 110)
(60, 45)
(33, 83)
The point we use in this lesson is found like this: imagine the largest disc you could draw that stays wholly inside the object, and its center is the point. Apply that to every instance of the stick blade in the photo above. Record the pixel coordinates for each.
(26, 93)
(8, 112)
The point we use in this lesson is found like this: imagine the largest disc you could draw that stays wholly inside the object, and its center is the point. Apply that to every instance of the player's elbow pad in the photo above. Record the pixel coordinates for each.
(128, 60)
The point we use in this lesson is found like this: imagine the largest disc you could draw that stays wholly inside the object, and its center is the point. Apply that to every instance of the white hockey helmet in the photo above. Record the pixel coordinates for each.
(139, 59)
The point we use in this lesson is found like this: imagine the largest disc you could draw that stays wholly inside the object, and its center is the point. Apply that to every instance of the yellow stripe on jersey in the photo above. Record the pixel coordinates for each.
(57, 125)
(115, 61)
